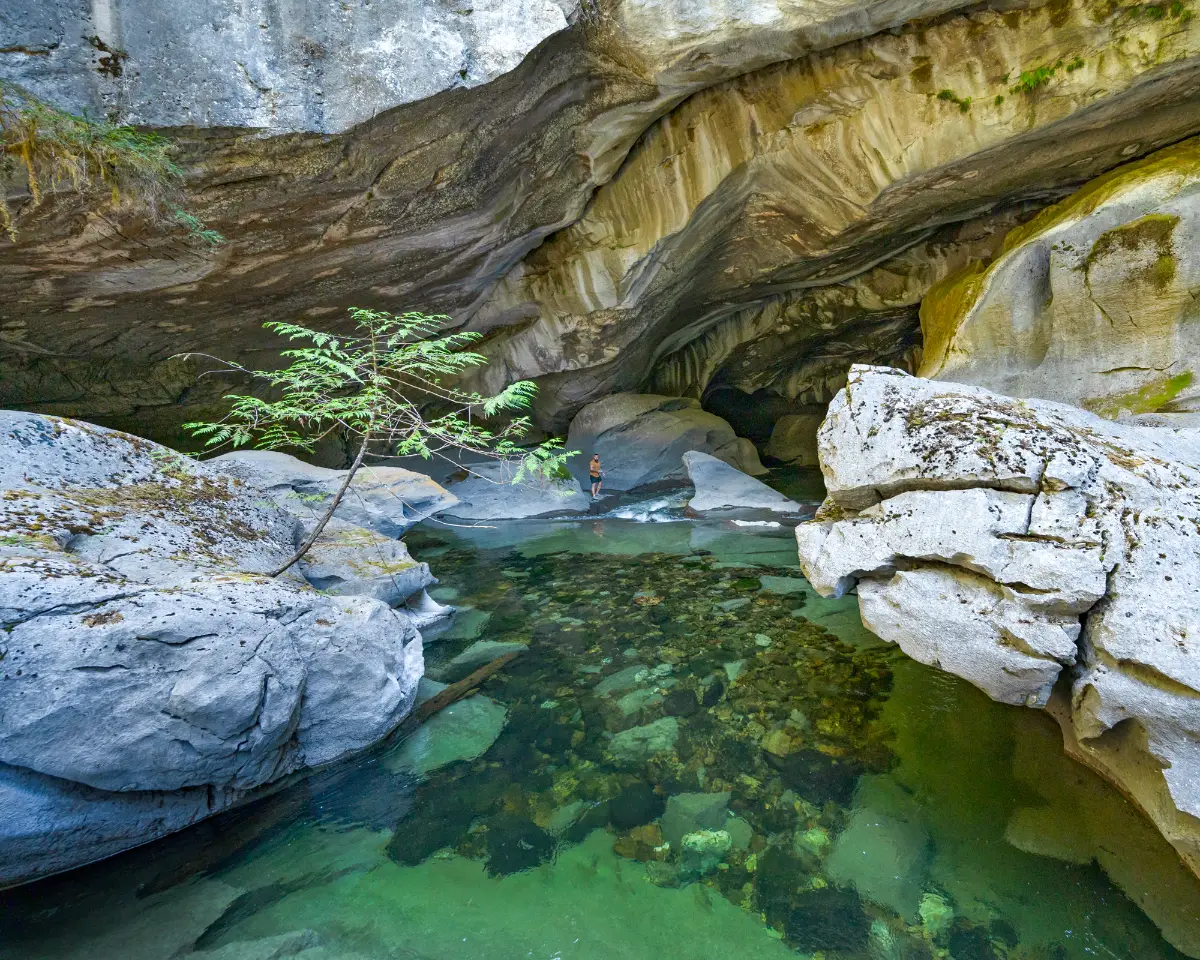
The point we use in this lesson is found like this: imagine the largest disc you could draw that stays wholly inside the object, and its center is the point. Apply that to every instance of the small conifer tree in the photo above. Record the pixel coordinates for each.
(374, 386)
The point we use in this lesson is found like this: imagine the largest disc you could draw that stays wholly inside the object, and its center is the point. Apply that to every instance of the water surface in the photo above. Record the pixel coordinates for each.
(831, 797)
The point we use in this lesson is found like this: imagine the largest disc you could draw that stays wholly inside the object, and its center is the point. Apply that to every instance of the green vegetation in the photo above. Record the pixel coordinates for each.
(1075, 64)
(963, 103)
(1149, 398)
(54, 150)
(375, 386)
(197, 230)
(1030, 80)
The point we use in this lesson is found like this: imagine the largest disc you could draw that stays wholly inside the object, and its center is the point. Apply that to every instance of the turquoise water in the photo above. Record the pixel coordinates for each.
(695, 757)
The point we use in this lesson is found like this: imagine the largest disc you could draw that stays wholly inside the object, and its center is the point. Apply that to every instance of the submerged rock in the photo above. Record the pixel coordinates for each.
(132, 588)
(478, 654)
(828, 919)
(1018, 540)
(702, 851)
(720, 486)
(463, 731)
(691, 812)
(635, 805)
(638, 744)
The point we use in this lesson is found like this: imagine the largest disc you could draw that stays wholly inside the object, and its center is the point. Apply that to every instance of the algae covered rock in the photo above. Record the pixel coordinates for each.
(1090, 303)
(1020, 542)
(347, 559)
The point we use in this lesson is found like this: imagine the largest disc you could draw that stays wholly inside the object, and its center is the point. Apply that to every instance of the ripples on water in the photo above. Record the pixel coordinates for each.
(790, 788)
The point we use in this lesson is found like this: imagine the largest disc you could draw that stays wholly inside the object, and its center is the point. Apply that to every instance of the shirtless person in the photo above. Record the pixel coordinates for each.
(595, 475)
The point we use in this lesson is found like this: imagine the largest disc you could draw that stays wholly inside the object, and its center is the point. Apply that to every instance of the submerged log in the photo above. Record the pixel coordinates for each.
(456, 691)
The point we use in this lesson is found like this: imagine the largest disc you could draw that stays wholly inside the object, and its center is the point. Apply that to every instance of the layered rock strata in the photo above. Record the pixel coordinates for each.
(151, 674)
(422, 206)
(1030, 548)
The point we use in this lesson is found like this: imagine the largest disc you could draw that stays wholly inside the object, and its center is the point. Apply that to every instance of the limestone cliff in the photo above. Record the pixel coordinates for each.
(812, 172)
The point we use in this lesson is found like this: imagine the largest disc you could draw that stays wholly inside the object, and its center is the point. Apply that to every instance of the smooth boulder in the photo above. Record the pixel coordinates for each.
(133, 589)
(388, 500)
(722, 487)
(490, 493)
(641, 438)
(1020, 543)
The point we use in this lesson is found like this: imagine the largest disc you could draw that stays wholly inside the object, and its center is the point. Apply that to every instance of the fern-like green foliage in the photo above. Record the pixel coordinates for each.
(374, 385)
(55, 150)
(1030, 80)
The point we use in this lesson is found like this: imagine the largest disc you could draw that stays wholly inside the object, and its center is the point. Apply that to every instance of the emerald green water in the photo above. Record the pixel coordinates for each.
(876, 808)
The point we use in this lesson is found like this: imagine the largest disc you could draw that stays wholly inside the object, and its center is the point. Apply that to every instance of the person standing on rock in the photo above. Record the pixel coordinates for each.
(595, 475)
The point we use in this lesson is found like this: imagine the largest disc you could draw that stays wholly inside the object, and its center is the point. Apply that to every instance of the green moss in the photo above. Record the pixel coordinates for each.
(1031, 80)
(1153, 231)
(944, 307)
(1147, 399)
(963, 103)
(1182, 160)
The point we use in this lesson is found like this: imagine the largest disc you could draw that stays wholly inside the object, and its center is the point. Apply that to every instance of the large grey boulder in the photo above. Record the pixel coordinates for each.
(722, 487)
(1018, 543)
(641, 438)
(150, 674)
(351, 560)
(488, 493)
(286, 66)
(388, 500)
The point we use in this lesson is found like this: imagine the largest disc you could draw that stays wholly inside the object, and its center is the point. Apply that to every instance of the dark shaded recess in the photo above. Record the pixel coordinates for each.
(969, 942)
(546, 631)
(515, 844)
(752, 415)
(817, 777)
(441, 814)
(680, 703)
(777, 877)
(594, 818)
(635, 806)
(830, 919)
(1005, 932)
(712, 696)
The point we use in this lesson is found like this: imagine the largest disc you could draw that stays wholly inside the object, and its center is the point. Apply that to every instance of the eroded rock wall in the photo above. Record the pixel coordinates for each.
(1091, 303)
(423, 206)
(811, 172)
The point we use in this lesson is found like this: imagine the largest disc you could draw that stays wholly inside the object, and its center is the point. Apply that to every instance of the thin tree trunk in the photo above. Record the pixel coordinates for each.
(337, 498)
